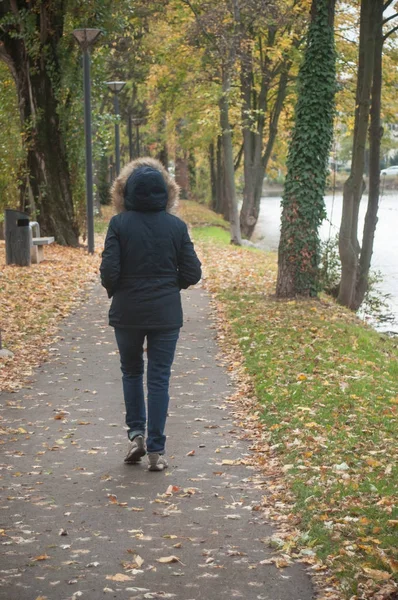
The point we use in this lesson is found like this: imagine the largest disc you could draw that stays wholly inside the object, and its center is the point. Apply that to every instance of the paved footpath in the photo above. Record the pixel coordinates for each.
(79, 523)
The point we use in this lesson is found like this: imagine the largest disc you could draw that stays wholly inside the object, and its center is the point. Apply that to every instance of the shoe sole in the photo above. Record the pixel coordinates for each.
(154, 465)
(136, 455)
(135, 458)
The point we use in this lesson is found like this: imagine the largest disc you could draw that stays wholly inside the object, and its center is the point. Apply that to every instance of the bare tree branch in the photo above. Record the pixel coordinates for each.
(238, 158)
(387, 35)
(390, 18)
(198, 19)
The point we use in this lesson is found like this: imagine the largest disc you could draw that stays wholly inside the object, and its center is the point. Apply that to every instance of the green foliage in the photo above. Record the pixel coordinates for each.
(11, 150)
(303, 203)
(329, 265)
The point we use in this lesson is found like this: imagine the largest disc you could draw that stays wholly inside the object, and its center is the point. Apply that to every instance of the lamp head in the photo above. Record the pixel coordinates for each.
(86, 37)
(115, 86)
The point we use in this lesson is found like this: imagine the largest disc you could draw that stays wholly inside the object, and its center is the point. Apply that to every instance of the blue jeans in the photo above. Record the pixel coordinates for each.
(161, 345)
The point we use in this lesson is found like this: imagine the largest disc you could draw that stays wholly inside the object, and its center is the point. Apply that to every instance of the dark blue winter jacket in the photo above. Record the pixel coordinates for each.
(148, 255)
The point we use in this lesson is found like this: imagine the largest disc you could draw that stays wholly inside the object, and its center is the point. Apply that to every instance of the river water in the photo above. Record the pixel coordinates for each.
(385, 251)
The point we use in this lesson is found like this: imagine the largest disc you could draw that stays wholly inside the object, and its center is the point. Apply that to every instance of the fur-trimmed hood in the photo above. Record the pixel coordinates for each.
(123, 202)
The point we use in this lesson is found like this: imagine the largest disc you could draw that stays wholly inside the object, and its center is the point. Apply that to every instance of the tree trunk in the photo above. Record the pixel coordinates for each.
(49, 176)
(229, 160)
(163, 153)
(222, 203)
(254, 110)
(163, 156)
(375, 135)
(182, 173)
(192, 171)
(354, 186)
(303, 200)
(213, 178)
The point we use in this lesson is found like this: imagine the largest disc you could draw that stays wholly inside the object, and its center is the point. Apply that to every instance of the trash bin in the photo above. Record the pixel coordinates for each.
(18, 238)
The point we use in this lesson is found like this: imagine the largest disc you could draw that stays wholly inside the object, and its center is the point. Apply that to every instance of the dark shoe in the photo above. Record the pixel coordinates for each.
(136, 450)
(157, 462)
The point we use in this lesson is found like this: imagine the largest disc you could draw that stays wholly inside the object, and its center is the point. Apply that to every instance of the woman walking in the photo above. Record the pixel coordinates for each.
(148, 258)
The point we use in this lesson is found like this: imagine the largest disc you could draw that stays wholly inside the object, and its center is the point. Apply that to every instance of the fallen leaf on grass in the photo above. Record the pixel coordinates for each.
(377, 574)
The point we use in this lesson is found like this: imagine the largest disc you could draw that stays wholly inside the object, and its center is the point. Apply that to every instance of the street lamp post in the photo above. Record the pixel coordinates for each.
(86, 38)
(116, 87)
(137, 122)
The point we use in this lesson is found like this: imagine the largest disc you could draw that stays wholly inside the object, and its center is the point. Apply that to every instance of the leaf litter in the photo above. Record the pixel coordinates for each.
(311, 358)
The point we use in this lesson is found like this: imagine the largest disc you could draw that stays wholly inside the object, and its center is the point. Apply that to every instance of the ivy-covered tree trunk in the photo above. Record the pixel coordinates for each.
(303, 207)
(29, 45)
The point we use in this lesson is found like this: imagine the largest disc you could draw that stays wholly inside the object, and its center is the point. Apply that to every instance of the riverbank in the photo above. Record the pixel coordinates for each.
(335, 183)
(319, 393)
(385, 250)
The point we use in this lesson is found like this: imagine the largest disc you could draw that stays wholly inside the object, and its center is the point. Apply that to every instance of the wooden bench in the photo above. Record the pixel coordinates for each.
(38, 243)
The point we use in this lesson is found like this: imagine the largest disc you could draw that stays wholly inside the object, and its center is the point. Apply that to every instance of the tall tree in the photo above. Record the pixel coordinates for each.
(356, 257)
(354, 186)
(270, 37)
(217, 26)
(29, 45)
(303, 206)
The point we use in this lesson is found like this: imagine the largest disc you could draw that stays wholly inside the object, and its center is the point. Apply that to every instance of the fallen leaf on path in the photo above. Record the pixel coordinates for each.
(172, 489)
(168, 559)
(135, 563)
(119, 577)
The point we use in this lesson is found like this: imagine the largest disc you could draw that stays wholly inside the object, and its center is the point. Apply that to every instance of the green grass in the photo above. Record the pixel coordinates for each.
(198, 215)
(329, 388)
(329, 391)
(212, 233)
(100, 225)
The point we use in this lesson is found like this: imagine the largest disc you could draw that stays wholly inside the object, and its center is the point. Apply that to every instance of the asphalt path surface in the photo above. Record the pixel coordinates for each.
(76, 522)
